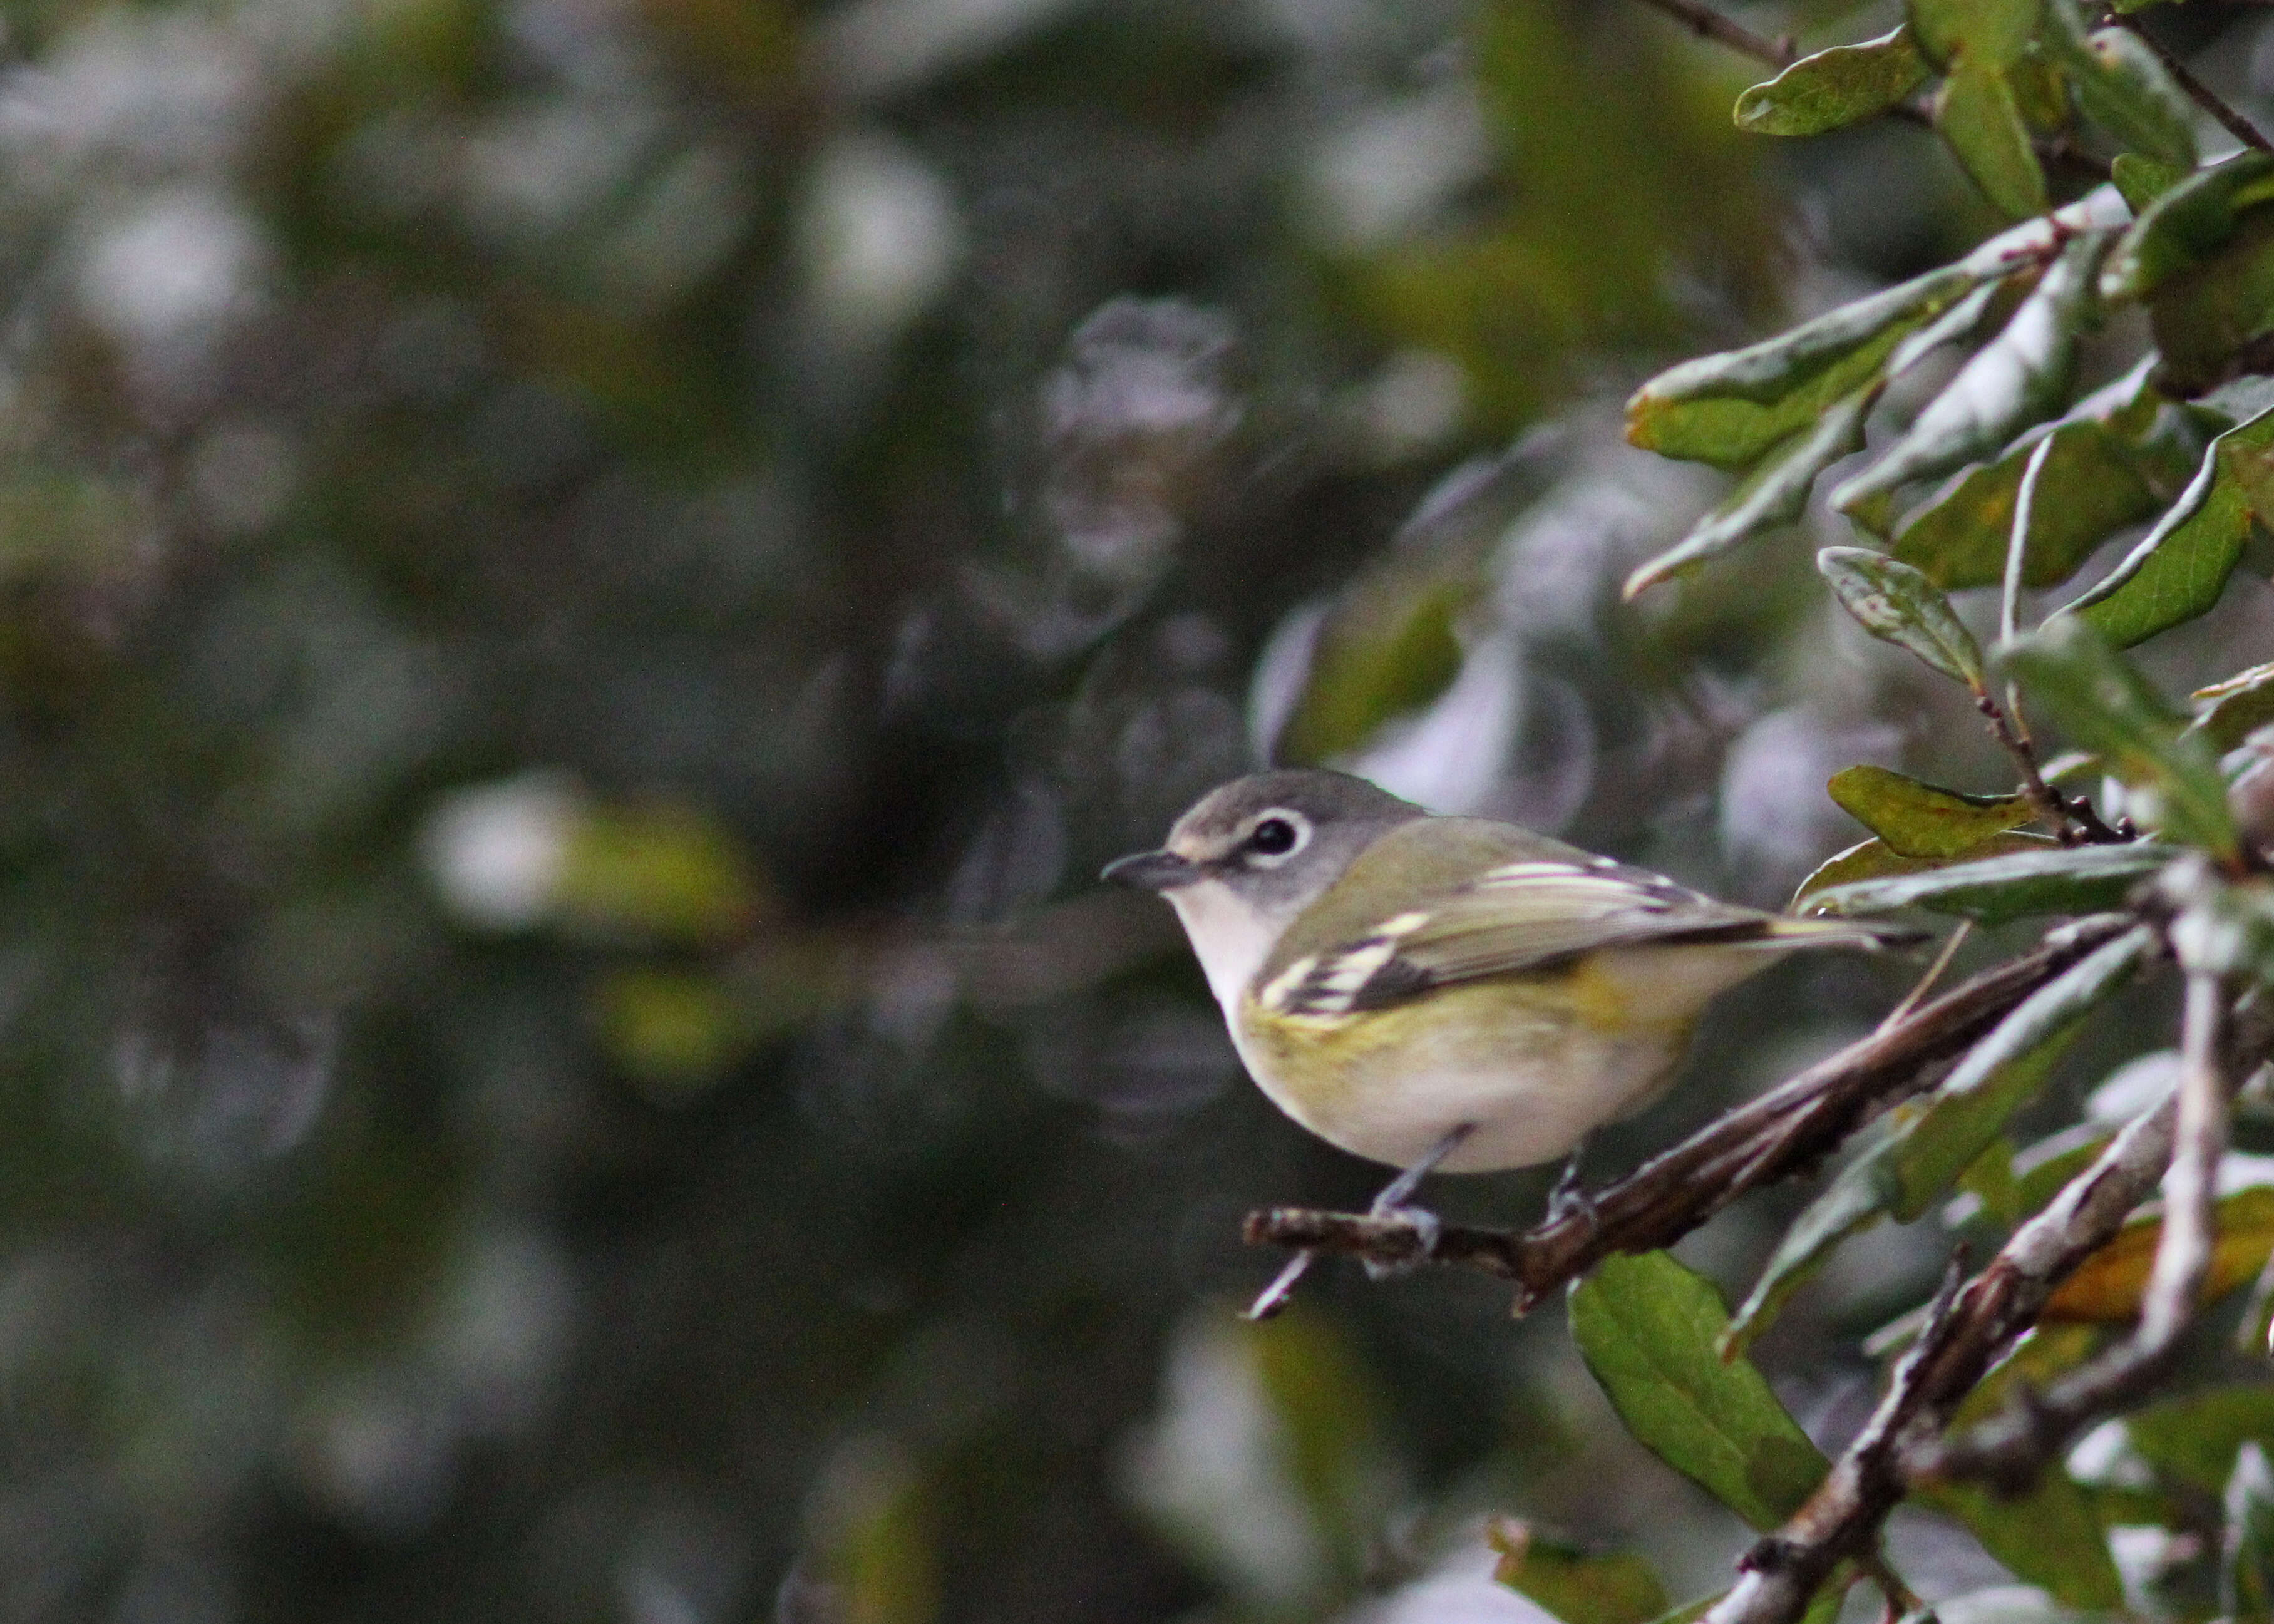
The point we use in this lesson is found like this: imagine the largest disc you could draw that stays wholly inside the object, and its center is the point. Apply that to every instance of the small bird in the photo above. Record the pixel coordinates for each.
(1447, 993)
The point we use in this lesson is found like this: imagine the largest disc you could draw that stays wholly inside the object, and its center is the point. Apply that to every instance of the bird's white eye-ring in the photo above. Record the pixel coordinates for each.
(1276, 836)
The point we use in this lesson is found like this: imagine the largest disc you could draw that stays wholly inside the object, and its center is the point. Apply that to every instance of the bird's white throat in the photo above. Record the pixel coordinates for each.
(1230, 937)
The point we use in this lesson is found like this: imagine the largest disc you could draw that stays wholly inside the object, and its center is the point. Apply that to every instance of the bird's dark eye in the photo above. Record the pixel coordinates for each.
(1272, 836)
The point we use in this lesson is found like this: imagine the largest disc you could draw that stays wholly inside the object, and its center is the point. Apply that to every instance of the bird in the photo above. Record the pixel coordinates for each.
(1443, 994)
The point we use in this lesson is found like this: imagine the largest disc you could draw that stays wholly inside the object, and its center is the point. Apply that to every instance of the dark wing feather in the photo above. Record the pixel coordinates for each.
(1545, 903)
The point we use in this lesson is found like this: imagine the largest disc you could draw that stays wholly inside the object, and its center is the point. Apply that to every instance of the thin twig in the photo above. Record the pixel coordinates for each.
(2203, 96)
(1949, 950)
(2053, 808)
(1784, 1132)
(1708, 24)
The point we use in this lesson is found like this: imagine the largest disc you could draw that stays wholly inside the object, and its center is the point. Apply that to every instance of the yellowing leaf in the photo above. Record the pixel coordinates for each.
(2108, 1285)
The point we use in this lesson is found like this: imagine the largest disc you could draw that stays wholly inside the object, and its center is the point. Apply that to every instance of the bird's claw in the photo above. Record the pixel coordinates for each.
(1427, 1227)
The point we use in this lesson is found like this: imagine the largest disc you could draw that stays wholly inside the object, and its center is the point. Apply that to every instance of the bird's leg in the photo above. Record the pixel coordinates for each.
(1566, 1199)
(1392, 1204)
(1389, 1204)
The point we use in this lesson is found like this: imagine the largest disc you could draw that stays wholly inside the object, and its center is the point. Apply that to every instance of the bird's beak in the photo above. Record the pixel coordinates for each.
(1151, 871)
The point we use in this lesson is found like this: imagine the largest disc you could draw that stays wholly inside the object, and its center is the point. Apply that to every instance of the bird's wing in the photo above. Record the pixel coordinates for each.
(1546, 902)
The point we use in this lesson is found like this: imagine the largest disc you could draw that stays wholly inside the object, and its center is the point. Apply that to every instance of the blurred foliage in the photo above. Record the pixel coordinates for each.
(585, 586)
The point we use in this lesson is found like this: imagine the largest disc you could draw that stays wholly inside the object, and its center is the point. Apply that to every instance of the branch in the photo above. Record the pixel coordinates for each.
(2203, 96)
(1708, 24)
(2010, 1450)
(1779, 1134)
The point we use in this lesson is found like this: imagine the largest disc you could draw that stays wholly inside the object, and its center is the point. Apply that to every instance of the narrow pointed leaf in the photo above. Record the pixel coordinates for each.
(2178, 570)
(2118, 456)
(1917, 819)
(2019, 378)
(1873, 859)
(1775, 493)
(1990, 32)
(2084, 879)
(2070, 673)
(2044, 1169)
(2143, 179)
(1835, 87)
(1648, 1328)
(1897, 604)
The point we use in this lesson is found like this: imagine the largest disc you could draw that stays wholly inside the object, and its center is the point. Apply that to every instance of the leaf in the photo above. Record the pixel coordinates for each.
(1774, 493)
(1872, 860)
(1619, 1588)
(1387, 647)
(1835, 87)
(2211, 321)
(2083, 879)
(1916, 819)
(2236, 708)
(2118, 458)
(2107, 1286)
(2050, 1537)
(2186, 226)
(2246, 1578)
(1990, 32)
(2122, 87)
(2196, 1437)
(2043, 1171)
(1980, 119)
(2018, 378)
(2069, 670)
(1970, 1108)
(2142, 180)
(1928, 1143)
(1732, 409)
(1648, 1327)
(1897, 604)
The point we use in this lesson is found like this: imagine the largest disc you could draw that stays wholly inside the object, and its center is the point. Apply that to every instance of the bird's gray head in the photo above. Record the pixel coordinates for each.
(1275, 839)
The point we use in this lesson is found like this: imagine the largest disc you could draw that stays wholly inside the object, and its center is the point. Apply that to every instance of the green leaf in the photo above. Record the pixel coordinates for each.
(2083, 879)
(2213, 321)
(1872, 860)
(1927, 1144)
(1386, 648)
(2122, 87)
(1980, 119)
(1989, 1178)
(2118, 458)
(1987, 33)
(1924, 820)
(1616, 1588)
(2228, 712)
(1648, 1328)
(2178, 570)
(2246, 1577)
(2186, 226)
(1835, 87)
(2142, 180)
(2195, 1438)
(1774, 493)
(2050, 1537)
(2018, 378)
(1734, 408)
(1970, 1108)
(2069, 670)
(1897, 604)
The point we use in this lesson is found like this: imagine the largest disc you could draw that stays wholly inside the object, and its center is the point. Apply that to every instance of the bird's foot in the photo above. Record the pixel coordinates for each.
(1426, 1225)
(1568, 1198)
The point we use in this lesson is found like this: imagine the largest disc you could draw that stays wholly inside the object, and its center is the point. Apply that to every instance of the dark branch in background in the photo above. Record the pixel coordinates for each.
(1708, 24)
(2203, 96)
(1779, 1134)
